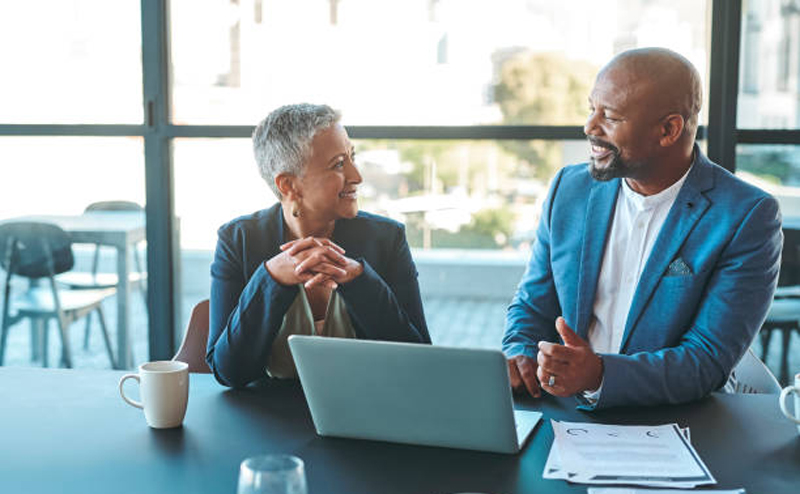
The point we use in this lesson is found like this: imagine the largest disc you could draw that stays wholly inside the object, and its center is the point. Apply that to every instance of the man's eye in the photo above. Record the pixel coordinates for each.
(610, 118)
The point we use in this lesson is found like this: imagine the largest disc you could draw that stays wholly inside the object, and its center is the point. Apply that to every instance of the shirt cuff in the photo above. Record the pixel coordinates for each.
(592, 397)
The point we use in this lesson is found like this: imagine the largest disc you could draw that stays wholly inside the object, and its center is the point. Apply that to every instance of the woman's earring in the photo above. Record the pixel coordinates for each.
(295, 210)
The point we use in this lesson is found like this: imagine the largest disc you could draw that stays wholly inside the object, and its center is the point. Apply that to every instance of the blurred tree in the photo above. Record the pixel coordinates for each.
(497, 224)
(541, 89)
(773, 166)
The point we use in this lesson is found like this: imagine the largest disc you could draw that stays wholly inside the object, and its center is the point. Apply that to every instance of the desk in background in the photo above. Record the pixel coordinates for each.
(68, 431)
(121, 230)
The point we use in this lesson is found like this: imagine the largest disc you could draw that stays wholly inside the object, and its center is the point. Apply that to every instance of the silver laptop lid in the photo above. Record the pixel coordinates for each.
(407, 393)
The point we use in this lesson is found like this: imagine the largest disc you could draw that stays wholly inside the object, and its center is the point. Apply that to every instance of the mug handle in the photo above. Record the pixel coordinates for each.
(122, 393)
(782, 400)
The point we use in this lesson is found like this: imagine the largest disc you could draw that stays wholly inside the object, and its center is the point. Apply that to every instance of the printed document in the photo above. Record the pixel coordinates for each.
(658, 456)
(636, 490)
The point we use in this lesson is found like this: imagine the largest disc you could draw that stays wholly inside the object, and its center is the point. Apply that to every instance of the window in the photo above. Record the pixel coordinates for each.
(415, 62)
(770, 94)
(71, 62)
(61, 176)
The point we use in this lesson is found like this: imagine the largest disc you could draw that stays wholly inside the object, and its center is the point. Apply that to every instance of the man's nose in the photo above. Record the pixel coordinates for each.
(590, 127)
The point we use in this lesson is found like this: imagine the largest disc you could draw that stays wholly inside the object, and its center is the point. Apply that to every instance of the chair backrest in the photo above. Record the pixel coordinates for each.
(193, 347)
(35, 249)
(113, 206)
(752, 376)
(790, 258)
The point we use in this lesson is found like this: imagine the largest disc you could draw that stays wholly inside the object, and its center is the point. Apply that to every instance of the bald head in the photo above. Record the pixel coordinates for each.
(643, 119)
(665, 79)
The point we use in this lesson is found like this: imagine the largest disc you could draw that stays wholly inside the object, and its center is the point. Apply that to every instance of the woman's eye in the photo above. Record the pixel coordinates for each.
(339, 164)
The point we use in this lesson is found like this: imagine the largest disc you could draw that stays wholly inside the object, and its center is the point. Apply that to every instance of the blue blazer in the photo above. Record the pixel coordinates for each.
(248, 305)
(703, 294)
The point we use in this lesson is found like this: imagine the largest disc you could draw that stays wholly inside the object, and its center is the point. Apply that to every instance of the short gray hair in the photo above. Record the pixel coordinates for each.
(282, 141)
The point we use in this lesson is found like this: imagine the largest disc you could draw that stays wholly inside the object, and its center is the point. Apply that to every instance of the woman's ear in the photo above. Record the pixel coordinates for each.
(285, 183)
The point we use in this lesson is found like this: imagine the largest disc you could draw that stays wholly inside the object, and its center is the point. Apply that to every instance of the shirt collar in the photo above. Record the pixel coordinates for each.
(667, 195)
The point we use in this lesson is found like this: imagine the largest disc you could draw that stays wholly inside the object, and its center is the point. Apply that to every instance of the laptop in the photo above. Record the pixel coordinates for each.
(411, 393)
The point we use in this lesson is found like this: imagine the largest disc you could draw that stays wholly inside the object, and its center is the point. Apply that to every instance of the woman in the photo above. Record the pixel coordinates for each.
(311, 264)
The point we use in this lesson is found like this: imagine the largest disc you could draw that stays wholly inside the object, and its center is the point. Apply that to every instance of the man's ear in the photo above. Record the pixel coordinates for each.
(287, 185)
(671, 129)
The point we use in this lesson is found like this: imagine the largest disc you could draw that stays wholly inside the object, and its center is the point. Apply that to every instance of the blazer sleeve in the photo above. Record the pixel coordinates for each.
(245, 314)
(734, 305)
(531, 316)
(390, 307)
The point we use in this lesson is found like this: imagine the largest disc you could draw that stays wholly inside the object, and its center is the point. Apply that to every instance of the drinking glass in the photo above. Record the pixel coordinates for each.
(272, 474)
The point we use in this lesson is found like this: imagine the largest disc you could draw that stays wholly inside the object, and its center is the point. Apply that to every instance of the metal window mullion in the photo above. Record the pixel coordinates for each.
(104, 130)
(724, 81)
(768, 136)
(163, 261)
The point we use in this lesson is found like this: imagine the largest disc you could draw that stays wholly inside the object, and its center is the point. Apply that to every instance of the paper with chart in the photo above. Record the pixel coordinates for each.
(659, 456)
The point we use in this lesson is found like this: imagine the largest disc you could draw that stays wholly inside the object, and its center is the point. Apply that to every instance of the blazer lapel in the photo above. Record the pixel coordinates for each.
(689, 206)
(599, 215)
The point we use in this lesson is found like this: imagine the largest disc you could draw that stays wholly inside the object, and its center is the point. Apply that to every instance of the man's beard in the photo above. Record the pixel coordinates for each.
(616, 168)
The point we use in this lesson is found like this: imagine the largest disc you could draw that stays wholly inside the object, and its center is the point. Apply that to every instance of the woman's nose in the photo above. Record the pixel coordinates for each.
(353, 175)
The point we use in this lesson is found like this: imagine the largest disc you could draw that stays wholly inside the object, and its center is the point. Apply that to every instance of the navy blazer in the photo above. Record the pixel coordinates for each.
(703, 294)
(248, 305)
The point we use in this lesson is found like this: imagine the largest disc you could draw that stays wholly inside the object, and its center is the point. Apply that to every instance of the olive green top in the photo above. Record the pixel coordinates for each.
(300, 320)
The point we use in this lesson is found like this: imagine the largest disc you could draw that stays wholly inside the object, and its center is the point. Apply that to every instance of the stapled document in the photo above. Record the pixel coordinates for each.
(655, 456)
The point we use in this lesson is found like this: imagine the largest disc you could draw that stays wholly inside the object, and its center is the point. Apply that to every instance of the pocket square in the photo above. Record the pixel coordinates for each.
(679, 268)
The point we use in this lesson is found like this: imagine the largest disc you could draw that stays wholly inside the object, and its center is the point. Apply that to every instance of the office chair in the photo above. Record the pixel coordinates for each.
(784, 313)
(193, 347)
(40, 251)
(93, 279)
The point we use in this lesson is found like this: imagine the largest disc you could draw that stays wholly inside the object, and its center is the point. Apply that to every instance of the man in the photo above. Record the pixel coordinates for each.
(653, 268)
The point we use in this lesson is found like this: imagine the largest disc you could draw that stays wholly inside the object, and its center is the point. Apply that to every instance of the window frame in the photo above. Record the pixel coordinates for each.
(158, 132)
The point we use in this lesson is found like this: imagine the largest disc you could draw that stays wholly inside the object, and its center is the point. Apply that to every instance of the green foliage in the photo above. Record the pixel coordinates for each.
(489, 229)
(495, 223)
(542, 89)
(772, 166)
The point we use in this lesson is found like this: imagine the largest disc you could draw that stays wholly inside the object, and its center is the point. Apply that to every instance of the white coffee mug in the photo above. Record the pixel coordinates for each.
(784, 394)
(164, 390)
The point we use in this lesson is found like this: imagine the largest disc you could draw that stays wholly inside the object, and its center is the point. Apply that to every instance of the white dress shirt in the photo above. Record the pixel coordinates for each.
(636, 224)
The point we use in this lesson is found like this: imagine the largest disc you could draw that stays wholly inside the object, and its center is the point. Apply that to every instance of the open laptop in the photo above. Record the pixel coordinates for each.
(410, 393)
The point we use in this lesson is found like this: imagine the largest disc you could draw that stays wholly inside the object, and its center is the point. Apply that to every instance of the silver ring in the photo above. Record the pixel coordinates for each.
(552, 381)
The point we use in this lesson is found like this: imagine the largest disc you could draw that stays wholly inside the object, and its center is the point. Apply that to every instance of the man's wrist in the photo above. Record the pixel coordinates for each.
(597, 380)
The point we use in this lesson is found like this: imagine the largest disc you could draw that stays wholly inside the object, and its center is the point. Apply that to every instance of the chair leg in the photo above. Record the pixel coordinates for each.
(42, 329)
(106, 339)
(4, 335)
(766, 337)
(66, 355)
(86, 331)
(787, 336)
(5, 324)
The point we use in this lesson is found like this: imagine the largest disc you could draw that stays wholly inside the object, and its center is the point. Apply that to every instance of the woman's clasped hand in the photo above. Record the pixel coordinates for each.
(313, 261)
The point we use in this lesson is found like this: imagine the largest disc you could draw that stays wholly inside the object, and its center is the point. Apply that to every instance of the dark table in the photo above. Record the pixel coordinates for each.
(68, 431)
